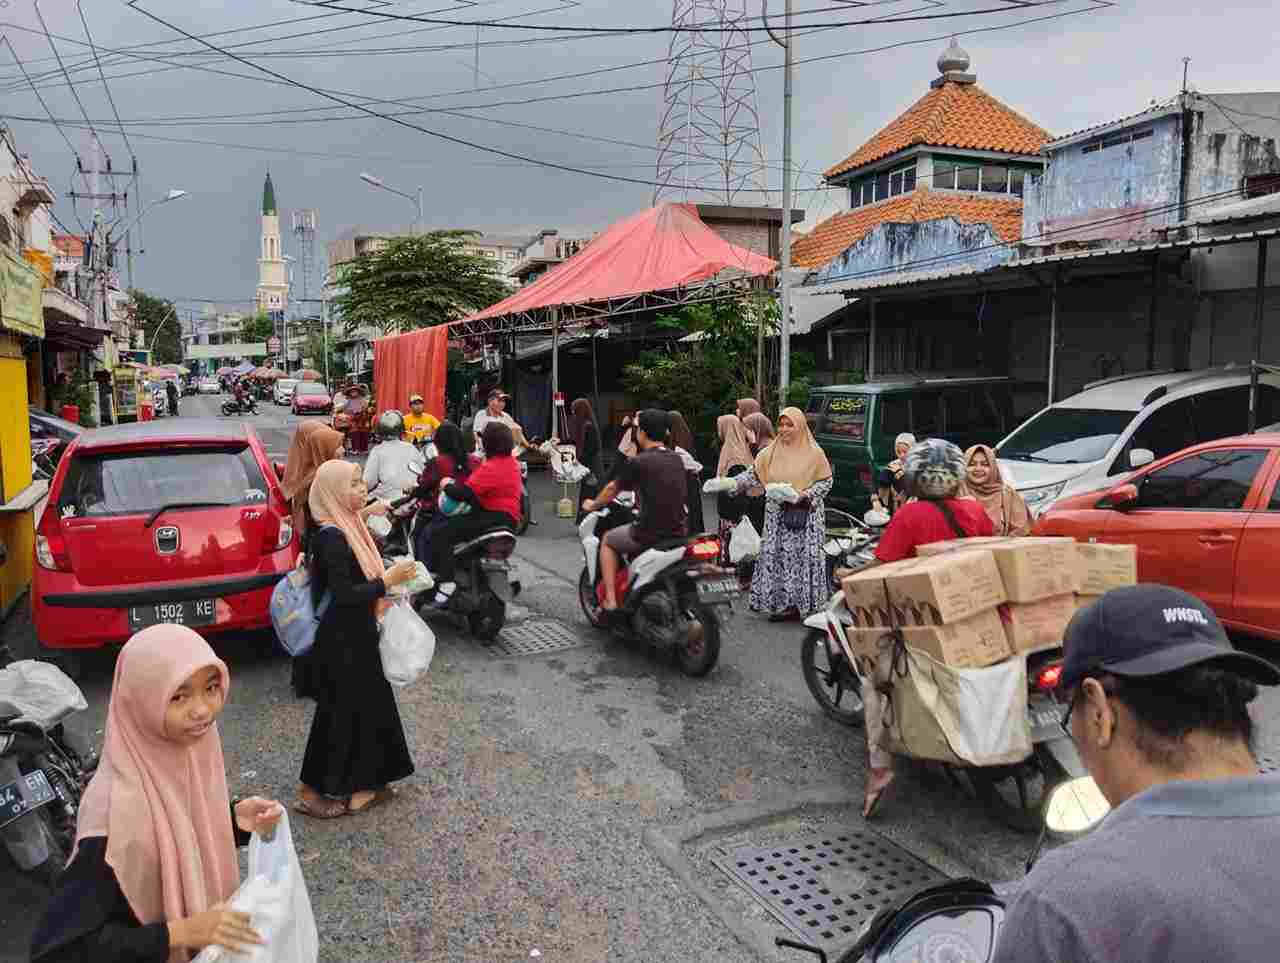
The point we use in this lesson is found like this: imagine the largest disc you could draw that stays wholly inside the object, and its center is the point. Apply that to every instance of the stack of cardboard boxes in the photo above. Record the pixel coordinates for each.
(976, 601)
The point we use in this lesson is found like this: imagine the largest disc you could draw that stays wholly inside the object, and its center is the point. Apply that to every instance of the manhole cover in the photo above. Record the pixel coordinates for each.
(535, 638)
(827, 888)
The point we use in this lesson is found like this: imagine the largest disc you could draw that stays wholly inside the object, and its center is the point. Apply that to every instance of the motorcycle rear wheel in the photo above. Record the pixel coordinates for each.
(831, 680)
(486, 622)
(697, 657)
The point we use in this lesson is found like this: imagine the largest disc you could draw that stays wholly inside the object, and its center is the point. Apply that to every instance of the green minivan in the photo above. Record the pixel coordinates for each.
(856, 424)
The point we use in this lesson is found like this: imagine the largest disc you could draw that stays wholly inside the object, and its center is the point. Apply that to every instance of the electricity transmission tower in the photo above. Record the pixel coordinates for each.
(304, 229)
(709, 137)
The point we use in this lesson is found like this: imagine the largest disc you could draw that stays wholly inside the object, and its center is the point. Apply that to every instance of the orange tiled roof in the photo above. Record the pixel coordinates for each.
(68, 245)
(952, 115)
(836, 234)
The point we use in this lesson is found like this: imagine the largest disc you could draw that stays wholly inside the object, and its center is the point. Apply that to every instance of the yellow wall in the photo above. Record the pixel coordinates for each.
(16, 528)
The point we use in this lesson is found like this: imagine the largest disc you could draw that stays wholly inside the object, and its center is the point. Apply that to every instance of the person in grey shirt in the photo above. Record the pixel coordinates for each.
(1182, 868)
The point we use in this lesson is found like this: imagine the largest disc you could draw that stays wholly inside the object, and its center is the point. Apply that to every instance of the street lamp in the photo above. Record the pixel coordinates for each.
(172, 195)
(378, 183)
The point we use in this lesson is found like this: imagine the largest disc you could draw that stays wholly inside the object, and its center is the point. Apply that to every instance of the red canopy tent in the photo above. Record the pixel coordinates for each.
(664, 256)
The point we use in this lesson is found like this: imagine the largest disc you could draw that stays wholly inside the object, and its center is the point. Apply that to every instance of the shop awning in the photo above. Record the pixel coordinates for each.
(74, 337)
(662, 257)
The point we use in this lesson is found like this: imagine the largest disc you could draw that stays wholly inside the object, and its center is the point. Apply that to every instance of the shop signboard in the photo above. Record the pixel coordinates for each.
(20, 286)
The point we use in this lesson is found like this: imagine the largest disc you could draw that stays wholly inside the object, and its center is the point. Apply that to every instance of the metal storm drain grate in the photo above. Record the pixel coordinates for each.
(536, 638)
(827, 888)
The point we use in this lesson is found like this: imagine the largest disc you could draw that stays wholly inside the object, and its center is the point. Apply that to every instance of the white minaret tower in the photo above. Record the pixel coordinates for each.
(273, 279)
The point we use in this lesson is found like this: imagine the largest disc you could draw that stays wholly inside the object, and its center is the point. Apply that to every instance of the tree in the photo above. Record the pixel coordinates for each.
(257, 329)
(314, 350)
(417, 282)
(154, 314)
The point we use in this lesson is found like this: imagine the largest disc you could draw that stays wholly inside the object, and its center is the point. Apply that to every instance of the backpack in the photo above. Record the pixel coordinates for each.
(293, 614)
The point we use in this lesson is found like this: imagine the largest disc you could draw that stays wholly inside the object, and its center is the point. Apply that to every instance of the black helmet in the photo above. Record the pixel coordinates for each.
(391, 424)
(934, 469)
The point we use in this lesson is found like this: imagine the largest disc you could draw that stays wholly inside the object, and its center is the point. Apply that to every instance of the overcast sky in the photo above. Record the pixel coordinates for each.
(1065, 74)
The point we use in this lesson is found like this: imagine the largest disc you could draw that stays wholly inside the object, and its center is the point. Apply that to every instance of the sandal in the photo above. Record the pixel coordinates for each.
(383, 795)
(322, 809)
(872, 797)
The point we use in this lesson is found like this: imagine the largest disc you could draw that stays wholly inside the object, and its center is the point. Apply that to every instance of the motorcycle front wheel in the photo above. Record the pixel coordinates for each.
(832, 682)
(698, 654)
(590, 604)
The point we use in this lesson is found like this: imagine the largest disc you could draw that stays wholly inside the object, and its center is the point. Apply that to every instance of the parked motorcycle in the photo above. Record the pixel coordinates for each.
(43, 768)
(233, 407)
(961, 918)
(675, 596)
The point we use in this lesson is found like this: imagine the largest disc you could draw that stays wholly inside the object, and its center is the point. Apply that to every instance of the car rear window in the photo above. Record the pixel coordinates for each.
(140, 482)
(307, 388)
(846, 417)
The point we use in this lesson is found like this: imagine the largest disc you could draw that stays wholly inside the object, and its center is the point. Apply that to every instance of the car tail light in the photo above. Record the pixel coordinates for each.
(703, 548)
(864, 476)
(1047, 678)
(51, 546)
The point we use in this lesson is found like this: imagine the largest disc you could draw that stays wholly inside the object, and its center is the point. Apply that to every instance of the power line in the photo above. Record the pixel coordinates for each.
(54, 47)
(105, 85)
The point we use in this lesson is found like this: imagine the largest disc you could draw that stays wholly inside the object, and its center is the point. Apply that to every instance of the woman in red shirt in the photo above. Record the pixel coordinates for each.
(452, 460)
(493, 492)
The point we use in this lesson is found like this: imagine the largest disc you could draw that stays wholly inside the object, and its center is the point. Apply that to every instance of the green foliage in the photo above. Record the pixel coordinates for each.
(314, 349)
(704, 378)
(80, 393)
(417, 282)
(257, 329)
(156, 313)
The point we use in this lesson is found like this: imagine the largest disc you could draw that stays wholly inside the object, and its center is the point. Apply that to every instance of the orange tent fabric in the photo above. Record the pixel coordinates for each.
(664, 247)
(413, 363)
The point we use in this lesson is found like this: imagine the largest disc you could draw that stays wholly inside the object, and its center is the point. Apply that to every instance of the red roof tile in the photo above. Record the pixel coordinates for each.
(69, 245)
(952, 115)
(837, 234)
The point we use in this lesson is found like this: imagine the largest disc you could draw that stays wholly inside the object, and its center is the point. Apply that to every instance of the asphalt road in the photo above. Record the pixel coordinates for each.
(538, 777)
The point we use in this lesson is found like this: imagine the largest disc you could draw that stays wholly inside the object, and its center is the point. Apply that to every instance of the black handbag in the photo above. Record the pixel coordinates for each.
(795, 517)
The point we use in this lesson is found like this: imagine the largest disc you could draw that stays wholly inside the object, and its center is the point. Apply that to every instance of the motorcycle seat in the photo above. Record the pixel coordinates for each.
(662, 545)
(497, 533)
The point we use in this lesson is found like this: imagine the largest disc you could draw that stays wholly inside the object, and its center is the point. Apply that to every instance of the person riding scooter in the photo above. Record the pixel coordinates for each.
(420, 425)
(394, 465)
(452, 461)
(657, 476)
(244, 400)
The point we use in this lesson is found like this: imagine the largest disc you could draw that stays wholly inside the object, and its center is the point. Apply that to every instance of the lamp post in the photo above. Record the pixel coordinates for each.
(378, 183)
(101, 256)
(284, 319)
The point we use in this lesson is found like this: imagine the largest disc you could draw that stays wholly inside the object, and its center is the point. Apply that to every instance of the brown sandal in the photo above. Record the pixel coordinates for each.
(385, 794)
(322, 809)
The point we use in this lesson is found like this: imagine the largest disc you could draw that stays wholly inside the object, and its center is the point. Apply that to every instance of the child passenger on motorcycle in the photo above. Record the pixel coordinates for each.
(452, 461)
(492, 490)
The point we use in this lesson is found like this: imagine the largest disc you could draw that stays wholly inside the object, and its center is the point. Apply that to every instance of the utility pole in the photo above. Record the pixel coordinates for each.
(784, 269)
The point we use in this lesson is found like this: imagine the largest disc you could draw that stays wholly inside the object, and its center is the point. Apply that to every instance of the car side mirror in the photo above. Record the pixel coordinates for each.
(1138, 457)
(1121, 498)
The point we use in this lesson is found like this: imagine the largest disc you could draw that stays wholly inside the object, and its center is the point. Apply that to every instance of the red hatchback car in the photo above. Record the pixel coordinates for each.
(180, 520)
(310, 398)
(1205, 519)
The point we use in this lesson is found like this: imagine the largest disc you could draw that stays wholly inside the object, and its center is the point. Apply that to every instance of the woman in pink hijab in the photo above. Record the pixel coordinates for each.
(155, 855)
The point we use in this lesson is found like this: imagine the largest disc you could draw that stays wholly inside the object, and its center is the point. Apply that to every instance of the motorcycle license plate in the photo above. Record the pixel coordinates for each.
(21, 797)
(714, 589)
(194, 612)
(1046, 718)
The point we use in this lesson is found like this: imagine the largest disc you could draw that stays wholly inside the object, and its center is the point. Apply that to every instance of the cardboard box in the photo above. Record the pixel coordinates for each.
(1104, 567)
(1032, 568)
(942, 589)
(977, 641)
(865, 595)
(1032, 626)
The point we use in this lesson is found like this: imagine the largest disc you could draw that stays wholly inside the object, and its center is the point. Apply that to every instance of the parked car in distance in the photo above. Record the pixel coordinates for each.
(283, 391)
(856, 424)
(1102, 434)
(173, 521)
(1205, 519)
(209, 386)
(310, 398)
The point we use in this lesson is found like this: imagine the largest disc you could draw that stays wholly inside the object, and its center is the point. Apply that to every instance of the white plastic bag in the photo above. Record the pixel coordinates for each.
(40, 692)
(744, 542)
(406, 644)
(781, 492)
(275, 897)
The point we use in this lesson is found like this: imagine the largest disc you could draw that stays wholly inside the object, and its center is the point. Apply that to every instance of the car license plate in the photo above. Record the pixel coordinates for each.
(1046, 715)
(710, 589)
(195, 612)
(19, 798)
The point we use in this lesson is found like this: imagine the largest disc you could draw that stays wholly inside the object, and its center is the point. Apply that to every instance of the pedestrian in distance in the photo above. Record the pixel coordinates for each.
(587, 448)
(1182, 868)
(735, 458)
(891, 485)
(313, 444)
(155, 856)
(171, 396)
(790, 579)
(759, 431)
(747, 407)
(357, 746)
(1003, 504)
(682, 444)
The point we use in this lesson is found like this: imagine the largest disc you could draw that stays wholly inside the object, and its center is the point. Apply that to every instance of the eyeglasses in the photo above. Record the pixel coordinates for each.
(1065, 722)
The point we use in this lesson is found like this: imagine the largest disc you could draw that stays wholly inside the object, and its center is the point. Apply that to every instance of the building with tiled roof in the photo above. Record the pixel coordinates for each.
(956, 154)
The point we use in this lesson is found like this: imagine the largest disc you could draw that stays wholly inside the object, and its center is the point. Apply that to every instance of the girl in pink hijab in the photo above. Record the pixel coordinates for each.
(155, 853)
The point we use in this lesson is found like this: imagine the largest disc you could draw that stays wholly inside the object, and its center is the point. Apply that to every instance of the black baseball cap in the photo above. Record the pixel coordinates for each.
(1148, 630)
(654, 422)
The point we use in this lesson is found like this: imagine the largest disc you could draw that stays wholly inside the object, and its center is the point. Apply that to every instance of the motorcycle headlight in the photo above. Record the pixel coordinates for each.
(1039, 499)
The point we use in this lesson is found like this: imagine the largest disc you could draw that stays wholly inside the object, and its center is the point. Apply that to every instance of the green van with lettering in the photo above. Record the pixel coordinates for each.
(857, 424)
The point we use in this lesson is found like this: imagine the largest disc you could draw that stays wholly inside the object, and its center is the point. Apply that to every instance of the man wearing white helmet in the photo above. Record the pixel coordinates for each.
(394, 465)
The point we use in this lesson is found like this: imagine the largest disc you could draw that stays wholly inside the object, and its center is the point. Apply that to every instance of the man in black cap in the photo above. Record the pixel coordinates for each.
(495, 409)
(1182, 867)
(656, 475)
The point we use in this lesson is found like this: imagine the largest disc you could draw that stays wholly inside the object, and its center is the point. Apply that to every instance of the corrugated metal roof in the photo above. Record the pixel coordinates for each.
(884, 281)
(1266, 206)
(1171, 106)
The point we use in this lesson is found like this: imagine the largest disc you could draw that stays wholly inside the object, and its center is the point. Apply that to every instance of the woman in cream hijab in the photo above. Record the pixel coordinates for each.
(790, 580)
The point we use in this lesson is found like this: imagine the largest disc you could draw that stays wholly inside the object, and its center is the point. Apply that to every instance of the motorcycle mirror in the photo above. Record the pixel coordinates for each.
(876, 519)
(1075, 807)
